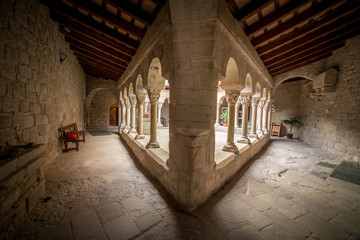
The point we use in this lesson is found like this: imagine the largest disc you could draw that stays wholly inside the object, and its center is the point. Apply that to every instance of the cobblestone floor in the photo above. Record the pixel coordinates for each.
(100, 193)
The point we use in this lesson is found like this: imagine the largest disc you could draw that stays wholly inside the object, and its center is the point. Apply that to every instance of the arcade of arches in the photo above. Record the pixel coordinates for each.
(193, 107)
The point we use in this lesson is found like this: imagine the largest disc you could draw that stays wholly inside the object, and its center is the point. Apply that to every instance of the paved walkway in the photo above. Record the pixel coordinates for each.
(99, 193)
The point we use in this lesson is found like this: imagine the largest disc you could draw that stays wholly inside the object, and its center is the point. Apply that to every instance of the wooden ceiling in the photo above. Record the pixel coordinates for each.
(104, 34)
(287, 34)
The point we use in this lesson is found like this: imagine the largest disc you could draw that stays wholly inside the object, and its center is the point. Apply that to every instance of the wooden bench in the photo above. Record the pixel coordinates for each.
(68, 129)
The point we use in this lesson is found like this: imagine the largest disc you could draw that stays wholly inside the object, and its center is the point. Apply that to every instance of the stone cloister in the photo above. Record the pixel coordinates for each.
(180, 135)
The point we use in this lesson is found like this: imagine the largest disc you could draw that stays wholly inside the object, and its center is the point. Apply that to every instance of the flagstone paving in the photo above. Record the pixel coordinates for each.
(101, 193)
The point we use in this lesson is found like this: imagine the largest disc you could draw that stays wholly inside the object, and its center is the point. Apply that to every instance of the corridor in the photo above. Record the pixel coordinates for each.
(100, 193)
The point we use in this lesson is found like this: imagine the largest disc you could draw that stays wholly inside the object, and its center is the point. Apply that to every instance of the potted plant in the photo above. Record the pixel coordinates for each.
(291, 122)
(224, 117)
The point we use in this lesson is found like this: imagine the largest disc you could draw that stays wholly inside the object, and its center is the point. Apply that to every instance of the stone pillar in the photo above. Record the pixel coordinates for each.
(265, 117)
(237, 106)
(159, 114)
(123, 112)
(133, 113)
(245, 102)
(231, 97)
(260, 117)
(154, 95)
(141, 96)
(128, 105)
(254, 105)
(217, 121)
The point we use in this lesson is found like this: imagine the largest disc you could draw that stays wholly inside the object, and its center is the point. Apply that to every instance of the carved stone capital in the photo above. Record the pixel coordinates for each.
(127, 102)
(254, 102)
(261, 103)
(245, 100)
(141, 96)
(122, 101)
(132, 100)
(232, 96)
(154, 95)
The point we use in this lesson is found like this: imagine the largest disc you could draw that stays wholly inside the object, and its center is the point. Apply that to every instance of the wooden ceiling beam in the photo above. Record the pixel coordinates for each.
(89, 34)
(275, 16)
(108, 17)
(99, 60)
(132, 10)
(98, 46)
(301, 44)
(250, 9)
(312, 45)
(296, 21)
(310, 54)
(98, 67)
(315, 59)
(98, 53)
(88, 22)
(91, 72)
(311, 27)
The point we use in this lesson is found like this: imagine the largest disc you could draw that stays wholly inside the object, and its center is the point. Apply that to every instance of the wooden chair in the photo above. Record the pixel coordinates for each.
(276, 129)
(68, 129)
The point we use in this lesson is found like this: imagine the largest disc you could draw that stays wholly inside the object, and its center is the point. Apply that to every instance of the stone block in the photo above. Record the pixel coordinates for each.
(12, 55)
(29, 120)
(25, 71)
(24, 106)
(3, 89)
(35, 196)
(8, 69)
(121, 228)
(41, 119)
(13, 179)
(5, 120)
(110, 212)
(10, 105)
(10, 200)
(18, 119)
(19, 90)
(87, 225)
(148, 220)
(44, 129)
(34, 164)
(30, 96)
(184, 31)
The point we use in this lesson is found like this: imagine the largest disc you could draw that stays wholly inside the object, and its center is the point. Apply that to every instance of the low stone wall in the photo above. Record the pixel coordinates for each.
(22, 184)
(155, 162)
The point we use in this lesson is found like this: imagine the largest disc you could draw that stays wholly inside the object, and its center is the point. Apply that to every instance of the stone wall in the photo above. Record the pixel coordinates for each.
(331, 121)
(99, 111)
(287, 104)
(38, 94)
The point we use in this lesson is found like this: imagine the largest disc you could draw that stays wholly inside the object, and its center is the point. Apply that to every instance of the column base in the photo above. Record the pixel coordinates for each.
(253, 135)
(265, 131)
(140, 136)
(259, 133)
(243, 140)
(132, 130)
(153, 144)
(126, 129)
(230, 147)
(160, 125)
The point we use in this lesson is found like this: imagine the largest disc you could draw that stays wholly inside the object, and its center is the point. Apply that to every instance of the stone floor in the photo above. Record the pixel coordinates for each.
(100, 193)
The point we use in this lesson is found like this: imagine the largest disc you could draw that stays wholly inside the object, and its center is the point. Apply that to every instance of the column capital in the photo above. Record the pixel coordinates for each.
(232, 96)
(245, 100)
(127, 102)
(141, 96)
(122, 101)
(261, 103)
(154, 95)
(254, 102)
(132, 98)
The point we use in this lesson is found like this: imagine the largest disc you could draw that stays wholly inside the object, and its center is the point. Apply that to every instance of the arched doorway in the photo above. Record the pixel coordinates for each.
(113, 115)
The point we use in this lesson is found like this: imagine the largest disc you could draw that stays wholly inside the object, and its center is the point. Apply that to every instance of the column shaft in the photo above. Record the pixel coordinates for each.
(237, 106)
(260, 118)
(253, 118)
(153, 128)
(217, 122)
(245, 101)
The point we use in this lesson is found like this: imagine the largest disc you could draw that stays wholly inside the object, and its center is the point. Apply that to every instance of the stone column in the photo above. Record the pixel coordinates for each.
(123, 112)
(231, 97)
(141, 96)
(128, 105)
(260, 117)
(217, 121)
(237, 106)
(254, 105)
(265, 114)
(159, 114)
(245, 102)
(154, 95)
(133, 113)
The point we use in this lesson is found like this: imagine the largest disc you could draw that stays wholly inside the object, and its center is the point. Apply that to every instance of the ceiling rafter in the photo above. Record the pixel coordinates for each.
(315, 25)
(295, 22)
(313, 39)
(74, 15)
(132, 10)
(250, 9)
(275, 16)
(87, 55)
(89, 34)
(108, 17)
